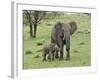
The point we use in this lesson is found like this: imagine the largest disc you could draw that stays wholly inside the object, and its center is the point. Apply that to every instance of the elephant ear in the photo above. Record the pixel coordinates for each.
(73, 27)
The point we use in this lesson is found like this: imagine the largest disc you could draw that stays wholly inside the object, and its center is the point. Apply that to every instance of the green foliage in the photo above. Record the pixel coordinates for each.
(80, 43)
(28, 52)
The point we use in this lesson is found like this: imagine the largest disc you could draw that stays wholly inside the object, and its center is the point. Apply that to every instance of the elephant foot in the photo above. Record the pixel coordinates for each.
(68, 58)
(43, 60)
(61, 59)
(50, 60)
(56, 57)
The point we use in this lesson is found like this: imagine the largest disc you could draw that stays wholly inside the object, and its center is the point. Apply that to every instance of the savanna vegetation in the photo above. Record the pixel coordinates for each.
(33, 42)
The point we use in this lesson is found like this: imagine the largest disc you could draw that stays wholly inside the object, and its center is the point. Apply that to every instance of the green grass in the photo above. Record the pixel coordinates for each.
(80, 43)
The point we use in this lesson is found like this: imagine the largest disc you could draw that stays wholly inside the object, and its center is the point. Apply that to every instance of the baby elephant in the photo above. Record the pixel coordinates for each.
(49, 51)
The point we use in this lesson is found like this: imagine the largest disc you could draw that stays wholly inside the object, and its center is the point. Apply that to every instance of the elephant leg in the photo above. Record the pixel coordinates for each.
(56, 54)
(44, 57)
(61, 50)
(49, 57)
(52, 56)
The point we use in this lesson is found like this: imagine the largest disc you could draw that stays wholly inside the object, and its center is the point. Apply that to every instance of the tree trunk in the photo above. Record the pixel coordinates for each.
(31, 31)
(35, 29)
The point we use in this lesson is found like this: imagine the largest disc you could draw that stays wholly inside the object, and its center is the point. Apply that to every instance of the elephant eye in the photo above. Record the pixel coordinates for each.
(61, 35)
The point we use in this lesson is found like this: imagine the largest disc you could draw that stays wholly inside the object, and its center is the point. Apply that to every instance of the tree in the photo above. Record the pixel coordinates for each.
(28, 14)
(34, 17)
(38, 16)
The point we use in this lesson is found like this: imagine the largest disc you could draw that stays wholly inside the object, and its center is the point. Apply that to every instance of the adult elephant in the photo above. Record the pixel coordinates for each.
(60, 35)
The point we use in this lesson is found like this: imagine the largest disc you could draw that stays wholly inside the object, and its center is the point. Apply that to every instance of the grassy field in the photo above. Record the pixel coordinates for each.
(80, 43)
